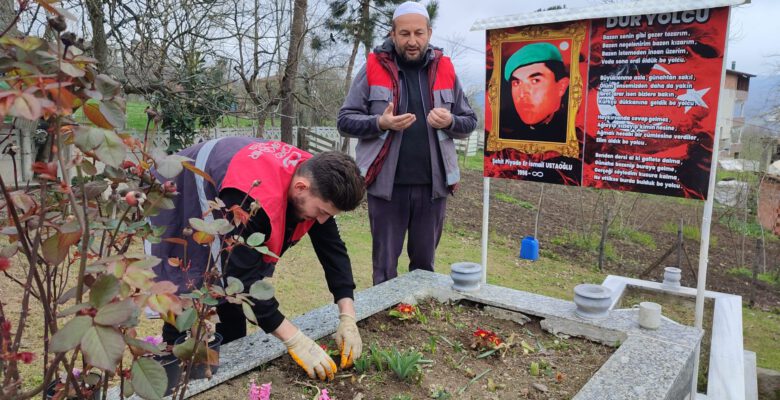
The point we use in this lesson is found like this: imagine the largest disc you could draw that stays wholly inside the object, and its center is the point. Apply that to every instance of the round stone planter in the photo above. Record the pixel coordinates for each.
(672, 277)
(466, 276)
(592, 300)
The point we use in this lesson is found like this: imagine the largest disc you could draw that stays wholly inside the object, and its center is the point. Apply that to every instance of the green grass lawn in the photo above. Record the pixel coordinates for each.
(761, 333)
(136, 118)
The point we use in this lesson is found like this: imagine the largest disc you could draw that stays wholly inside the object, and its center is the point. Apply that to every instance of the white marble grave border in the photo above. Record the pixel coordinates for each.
(646, 365)
(728, 370)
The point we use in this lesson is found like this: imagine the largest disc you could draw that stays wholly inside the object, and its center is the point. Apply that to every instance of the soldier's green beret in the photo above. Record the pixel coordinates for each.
(531, 54)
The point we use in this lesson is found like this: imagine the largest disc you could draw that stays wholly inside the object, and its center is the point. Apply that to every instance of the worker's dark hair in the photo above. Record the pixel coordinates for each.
(335, 177)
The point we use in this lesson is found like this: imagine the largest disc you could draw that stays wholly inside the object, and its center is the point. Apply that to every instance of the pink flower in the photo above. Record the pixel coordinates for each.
(153, 340)
(324, 395)
(265, 391)
(254, 391)
(262, 392)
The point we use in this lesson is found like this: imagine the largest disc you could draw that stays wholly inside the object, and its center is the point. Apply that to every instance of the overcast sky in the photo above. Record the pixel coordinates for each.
(754, 32)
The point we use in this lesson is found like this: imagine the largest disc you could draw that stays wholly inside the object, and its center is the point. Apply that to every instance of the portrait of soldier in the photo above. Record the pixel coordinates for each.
(535, 95)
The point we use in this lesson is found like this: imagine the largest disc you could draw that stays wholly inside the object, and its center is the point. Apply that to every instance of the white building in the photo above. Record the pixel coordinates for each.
(731, 112)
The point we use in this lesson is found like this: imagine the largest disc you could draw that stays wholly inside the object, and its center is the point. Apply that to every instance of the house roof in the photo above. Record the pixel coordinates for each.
(598, 11)
(743, 74)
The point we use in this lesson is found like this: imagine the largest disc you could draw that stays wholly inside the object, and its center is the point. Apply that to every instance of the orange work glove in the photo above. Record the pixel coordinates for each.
(311, 357)
(348, 339)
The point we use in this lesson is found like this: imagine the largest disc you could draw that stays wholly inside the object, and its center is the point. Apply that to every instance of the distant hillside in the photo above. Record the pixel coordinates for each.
(764, 96)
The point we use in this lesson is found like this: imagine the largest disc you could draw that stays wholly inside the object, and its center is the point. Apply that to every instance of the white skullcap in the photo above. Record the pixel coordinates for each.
(410, 7)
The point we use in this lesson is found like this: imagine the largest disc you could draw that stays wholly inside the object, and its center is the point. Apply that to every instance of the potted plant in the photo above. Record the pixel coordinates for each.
(87, 387)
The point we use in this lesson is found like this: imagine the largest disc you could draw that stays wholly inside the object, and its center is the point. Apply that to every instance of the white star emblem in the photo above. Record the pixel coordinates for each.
(694, 96)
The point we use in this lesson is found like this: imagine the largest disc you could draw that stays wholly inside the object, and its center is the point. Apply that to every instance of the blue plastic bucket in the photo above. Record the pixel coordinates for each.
(529, 248)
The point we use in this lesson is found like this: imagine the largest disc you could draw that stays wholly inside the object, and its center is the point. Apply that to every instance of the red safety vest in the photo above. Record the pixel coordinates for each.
(381, 70)
(273, 165)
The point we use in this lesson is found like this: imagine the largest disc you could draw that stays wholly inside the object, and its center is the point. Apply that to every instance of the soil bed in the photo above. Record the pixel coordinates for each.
(451, 368)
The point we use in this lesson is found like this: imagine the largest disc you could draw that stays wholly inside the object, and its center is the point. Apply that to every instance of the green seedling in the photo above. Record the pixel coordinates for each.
(363, 363)
(457, 347)
(420, 317)
(378, 357)
(545, 367)
(534, 369)
(431, 347)
(406, 365)
(439, 393)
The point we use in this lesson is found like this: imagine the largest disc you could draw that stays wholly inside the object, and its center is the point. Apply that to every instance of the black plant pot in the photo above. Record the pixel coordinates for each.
(51, 392)
(172, 365)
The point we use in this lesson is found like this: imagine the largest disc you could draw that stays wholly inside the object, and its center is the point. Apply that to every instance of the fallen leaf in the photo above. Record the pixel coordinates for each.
(491, 385)
(540, 387)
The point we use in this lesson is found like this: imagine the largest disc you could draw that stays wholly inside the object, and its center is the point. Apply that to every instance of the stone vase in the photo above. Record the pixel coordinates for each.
(672, 277)
(592, 300)
(466, 276)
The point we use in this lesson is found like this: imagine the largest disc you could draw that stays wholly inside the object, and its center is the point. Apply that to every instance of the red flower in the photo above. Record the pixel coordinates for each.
(486, 339)
(4, 264)
(25, 357)
(404, 308)
(5, 327)
(482, 333)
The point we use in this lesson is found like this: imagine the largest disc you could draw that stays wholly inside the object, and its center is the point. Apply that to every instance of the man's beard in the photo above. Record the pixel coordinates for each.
(297, 207)
(409, 61)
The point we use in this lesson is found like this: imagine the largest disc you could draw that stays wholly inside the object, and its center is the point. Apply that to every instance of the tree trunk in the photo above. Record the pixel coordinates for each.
(366, 27)
(99, 46)
(7, 16)
(291, 69)
(347, 83)
(756, 264)
(351, 66)
(603, 241)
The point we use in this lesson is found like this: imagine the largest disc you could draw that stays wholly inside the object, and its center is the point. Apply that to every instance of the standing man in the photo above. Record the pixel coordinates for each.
(405, 107)
(287, 193)
(539, 86)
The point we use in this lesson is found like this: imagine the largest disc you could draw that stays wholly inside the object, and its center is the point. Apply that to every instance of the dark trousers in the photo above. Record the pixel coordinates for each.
(411, 209)
(232, 324)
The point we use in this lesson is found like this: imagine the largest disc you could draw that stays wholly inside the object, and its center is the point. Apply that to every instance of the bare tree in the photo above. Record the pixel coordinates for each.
(291, 68)
(7, 16)
(99, 44)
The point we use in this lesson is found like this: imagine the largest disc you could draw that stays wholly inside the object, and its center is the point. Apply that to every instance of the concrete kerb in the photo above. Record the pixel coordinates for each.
(648, 364)
(728, 371)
